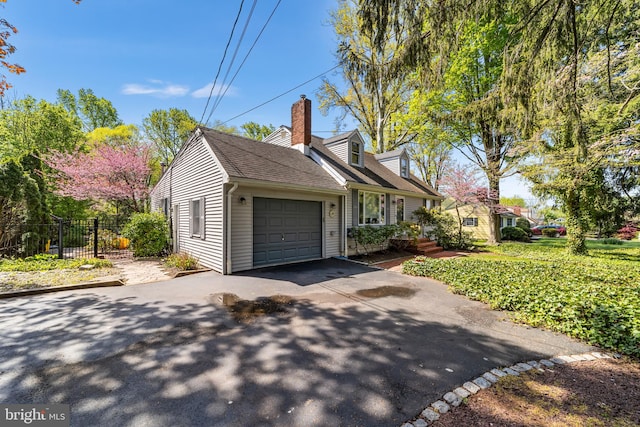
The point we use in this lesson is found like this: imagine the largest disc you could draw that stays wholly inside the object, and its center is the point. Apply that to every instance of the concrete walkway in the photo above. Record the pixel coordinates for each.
(358, 346)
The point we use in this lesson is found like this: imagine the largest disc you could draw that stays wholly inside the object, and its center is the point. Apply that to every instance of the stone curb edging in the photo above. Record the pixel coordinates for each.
(454, 398)
(38, 291)
(189, 272)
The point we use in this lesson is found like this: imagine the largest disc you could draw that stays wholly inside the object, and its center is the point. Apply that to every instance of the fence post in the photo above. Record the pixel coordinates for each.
(95, 237)
(60, 238)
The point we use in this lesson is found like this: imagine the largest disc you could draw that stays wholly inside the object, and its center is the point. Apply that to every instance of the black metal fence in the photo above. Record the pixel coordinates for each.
(97, 238)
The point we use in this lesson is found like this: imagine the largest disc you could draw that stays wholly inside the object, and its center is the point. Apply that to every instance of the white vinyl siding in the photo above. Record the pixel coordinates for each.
(281, 137)
(242, 223)
(411, 204)
(341, 150)
(196, 175)
(391, 163)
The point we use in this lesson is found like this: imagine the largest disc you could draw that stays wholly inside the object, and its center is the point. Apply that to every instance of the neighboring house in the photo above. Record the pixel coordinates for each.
(238, 204)
(526, 213)
(475, 219)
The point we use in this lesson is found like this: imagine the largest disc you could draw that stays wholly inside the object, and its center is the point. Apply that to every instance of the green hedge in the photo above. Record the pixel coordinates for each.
(593, 299)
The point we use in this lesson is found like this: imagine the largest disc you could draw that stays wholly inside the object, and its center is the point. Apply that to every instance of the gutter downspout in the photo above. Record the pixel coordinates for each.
(228, 233)
(344, 226)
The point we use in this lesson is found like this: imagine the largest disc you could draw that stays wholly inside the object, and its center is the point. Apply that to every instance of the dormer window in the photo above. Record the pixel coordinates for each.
(355, 153)
(404, 167)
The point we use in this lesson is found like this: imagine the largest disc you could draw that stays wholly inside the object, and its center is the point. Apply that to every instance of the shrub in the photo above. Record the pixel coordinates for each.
(550, 232)
(628, 232)
(75, 236)
(106, 239)
(182, 261)
(148, 233)
(591, 298)
(444, 228)
(611, 241)
(372, 238)
(405, 234)
(524, 224)
(516, 234)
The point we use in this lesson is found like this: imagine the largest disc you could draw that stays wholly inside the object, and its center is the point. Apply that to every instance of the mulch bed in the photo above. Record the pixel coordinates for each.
(602, 392)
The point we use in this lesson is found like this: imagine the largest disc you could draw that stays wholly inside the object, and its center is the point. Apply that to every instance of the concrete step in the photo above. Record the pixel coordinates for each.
(426, 245)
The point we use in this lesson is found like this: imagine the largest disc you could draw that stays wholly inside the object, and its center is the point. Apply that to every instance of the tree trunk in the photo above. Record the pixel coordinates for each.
(494, 216)
(576, 244)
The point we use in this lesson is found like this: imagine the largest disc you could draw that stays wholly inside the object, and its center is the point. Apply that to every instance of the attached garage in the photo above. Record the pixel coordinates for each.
(286, 231)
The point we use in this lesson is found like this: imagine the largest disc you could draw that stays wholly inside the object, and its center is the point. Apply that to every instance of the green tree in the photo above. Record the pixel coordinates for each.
(168, 130)
(559, 78)
(29, 129)
(513, 201)
(583, 107)
(222, 127)
(119, 136)
(372, 95)
(93, 111)
(257, 131)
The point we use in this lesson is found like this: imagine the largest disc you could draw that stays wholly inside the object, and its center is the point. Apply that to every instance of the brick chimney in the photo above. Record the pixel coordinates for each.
(301, 124)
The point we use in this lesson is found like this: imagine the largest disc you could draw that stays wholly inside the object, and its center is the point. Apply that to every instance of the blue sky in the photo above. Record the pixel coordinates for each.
(144, 55)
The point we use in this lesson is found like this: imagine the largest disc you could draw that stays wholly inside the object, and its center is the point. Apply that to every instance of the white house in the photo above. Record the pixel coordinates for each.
(238, 204)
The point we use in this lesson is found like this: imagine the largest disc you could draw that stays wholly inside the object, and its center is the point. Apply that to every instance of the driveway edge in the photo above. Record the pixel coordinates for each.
(38, 291)
(454, 398)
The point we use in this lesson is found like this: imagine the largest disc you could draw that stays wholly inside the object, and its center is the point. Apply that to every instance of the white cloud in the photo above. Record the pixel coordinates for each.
(204, 91)
(155, 88)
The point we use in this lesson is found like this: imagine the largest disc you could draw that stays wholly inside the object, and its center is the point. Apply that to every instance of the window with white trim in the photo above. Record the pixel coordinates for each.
(370, 208)
(399, 209)
(404, 167)
(470, 222)
(196, 217)
(354, 155)
(510, 222)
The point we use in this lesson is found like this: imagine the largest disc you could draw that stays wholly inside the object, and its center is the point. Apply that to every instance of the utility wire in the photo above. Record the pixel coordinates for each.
(233, 58)
(282, 94)
(246, 56)
(222, 61)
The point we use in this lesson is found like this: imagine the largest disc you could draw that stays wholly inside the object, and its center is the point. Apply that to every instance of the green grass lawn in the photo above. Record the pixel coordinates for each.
(47, 270)
(595, 297)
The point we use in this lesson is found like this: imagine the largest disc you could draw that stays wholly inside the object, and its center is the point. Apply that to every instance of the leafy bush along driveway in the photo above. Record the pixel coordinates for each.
(595, 298)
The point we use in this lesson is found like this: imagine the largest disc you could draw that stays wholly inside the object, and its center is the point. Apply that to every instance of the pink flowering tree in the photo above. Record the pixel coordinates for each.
(463, 185)
(113, 174)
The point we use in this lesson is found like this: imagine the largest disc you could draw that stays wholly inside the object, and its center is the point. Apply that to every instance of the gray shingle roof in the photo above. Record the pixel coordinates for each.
(389, 154)
(373, 173)
(245, 158)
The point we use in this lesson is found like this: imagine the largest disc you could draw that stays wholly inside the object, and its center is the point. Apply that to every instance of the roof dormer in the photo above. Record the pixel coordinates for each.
(349, 147)
(281, 137)
(397, 161)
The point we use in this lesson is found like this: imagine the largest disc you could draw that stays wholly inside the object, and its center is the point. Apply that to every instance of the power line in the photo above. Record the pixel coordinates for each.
(233, 58)
(282, 94)
(247, 55)
(222, 61)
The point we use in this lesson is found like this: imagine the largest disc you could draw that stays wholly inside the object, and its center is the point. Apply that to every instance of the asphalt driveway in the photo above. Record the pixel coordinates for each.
(357, 347)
